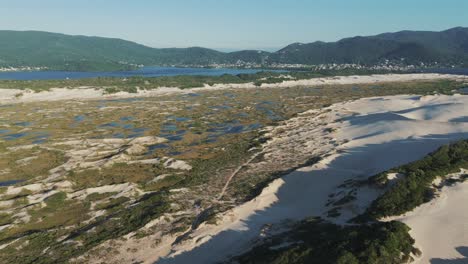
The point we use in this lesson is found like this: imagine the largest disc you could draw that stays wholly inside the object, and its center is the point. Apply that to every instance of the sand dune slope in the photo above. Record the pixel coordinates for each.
(380, 133)
(441, 227)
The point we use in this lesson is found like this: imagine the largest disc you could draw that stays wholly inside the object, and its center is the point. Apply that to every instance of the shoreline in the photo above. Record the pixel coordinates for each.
(14, 96)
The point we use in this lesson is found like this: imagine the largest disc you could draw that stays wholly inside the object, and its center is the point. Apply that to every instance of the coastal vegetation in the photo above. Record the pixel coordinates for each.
(415, 187)
(214, 131)
(317, 241)
(133, 84)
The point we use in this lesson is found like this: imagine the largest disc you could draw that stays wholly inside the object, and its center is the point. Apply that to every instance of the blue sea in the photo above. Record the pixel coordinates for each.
(144, 72)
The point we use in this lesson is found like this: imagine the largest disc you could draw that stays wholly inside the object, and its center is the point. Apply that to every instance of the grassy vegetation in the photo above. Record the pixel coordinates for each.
(19, 197)
(46, 247)
(113, 85)
(316, 241)
(37, 162)
(168, 181)
(112, 203)
(415, 188)
(98, 196)
(58, 213)
(212, 162)
(132, 84)
(118, 173)
(5, 219)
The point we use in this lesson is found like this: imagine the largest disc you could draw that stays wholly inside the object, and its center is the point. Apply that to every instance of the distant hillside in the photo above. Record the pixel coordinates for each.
(65, 52)
(59, 51)
(449, 47)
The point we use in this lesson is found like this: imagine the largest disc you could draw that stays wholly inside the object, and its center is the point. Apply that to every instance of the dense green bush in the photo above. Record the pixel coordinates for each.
(415, 188)
(317, 241)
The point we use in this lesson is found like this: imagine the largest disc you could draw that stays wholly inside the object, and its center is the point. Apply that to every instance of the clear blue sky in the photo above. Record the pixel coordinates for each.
(231, 24)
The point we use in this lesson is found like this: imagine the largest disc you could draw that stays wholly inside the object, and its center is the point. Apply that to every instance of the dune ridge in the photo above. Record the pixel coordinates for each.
(11, 96)
(376, 134)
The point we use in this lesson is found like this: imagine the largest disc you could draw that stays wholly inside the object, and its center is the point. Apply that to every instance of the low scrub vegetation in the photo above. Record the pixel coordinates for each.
(47, 247)
(316, 241)
(416, 187)
(133, 84)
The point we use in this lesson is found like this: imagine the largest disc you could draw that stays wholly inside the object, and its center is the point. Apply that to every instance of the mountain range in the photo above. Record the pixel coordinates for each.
(65, 52)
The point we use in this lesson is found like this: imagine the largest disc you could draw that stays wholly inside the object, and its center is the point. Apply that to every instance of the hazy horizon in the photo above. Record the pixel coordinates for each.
(230, 25)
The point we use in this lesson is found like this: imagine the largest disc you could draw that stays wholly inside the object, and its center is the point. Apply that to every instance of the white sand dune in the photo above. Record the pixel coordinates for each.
(440, 227)
(11, 96)
(383, 133)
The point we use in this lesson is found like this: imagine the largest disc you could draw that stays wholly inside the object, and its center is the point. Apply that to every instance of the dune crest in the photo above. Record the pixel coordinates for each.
(11, 96)
(375, 134)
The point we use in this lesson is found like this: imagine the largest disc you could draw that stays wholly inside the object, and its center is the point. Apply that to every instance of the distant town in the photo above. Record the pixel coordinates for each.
(384, 66)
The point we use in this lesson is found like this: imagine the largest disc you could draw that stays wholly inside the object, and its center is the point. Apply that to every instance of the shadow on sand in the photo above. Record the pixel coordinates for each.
(464, 260)
(305, 192)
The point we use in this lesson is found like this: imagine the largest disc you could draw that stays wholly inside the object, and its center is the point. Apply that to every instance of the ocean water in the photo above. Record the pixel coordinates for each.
(144, 72)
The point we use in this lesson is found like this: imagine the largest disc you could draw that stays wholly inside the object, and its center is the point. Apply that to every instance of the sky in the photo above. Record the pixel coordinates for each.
(229, 25)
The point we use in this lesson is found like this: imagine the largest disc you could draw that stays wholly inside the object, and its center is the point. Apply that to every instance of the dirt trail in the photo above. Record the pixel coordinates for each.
(223, 191)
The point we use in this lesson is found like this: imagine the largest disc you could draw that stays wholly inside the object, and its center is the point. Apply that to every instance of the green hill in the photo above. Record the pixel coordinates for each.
(410, 47)
(58, 51)
(65, 52)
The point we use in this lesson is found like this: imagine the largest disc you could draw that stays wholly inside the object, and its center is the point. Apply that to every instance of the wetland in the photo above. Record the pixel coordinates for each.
(92, 177)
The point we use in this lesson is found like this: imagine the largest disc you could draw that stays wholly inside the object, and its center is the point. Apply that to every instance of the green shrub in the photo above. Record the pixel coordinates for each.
(317, 241)
(416, 187)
